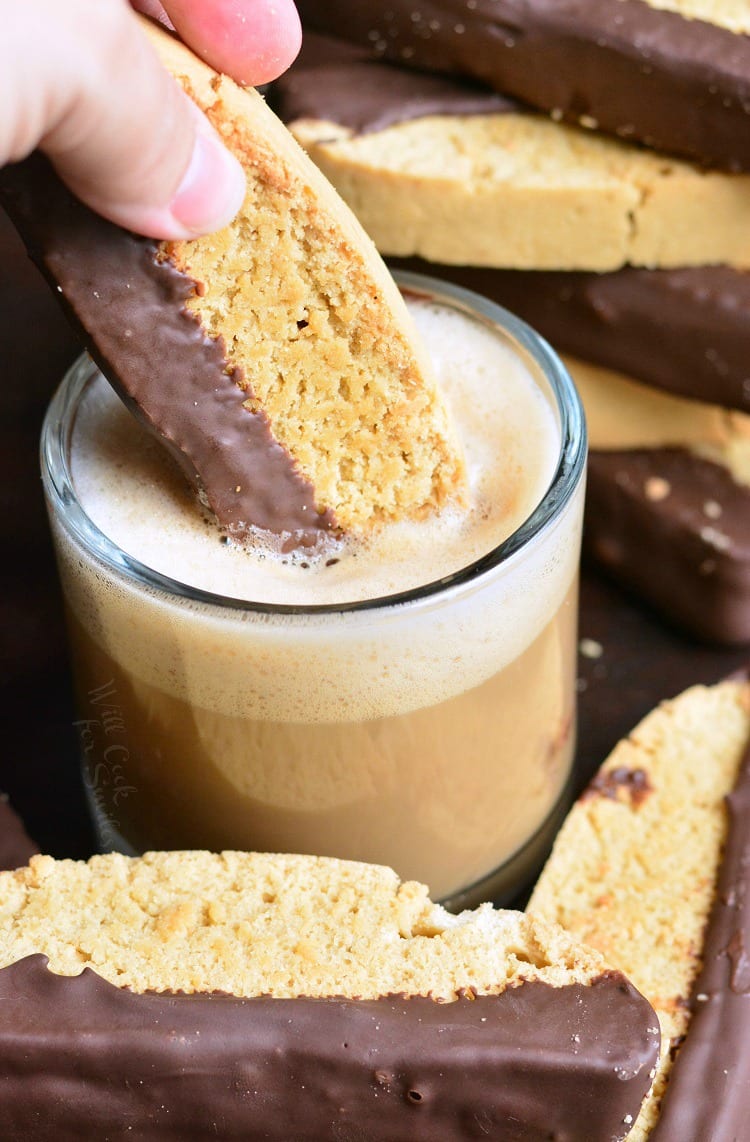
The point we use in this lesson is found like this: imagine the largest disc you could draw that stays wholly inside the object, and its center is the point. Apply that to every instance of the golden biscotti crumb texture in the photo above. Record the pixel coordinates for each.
(314, 321)
(633, 870)
(253, 924)
(520, 191)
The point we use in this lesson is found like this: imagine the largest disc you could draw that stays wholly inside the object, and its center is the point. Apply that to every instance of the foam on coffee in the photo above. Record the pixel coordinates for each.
(511, 442)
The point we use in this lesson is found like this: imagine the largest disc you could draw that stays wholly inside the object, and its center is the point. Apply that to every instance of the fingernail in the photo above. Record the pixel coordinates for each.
(212, 188)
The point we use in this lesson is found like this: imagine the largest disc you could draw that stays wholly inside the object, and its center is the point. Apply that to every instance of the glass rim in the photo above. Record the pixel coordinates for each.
(58, 482)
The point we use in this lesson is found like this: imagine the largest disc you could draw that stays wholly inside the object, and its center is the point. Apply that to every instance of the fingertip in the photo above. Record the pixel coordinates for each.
(212, 189)
(209, 195)
(283, 43)
(254, 41)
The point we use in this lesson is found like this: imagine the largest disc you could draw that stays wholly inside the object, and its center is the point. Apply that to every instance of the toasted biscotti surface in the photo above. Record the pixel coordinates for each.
(622, 413)
(519, 191)
(315, 323)
(254, 924)
(633, 871)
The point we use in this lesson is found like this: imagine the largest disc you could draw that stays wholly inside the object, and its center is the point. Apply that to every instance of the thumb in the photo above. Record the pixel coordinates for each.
(120, 131)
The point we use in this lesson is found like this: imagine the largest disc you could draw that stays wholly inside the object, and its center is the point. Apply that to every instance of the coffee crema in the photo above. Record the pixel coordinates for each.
(140, 500)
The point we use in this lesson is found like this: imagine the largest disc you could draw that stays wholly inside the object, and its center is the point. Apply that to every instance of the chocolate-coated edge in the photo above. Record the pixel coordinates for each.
(336, 82)
(687, 552)
(131, 308)
(643, 73)
(686, 331)
(80, 1057)
(16, 846)
(708, 1091)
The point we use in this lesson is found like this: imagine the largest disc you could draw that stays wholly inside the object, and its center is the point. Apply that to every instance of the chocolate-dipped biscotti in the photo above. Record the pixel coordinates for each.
(453, 180)
(248, 996)
(668, 501)
(673, 74)
(686, 331)
(276, 358)
(650, 867)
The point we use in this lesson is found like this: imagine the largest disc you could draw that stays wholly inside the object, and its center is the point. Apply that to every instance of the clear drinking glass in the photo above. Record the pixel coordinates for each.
(432, 730)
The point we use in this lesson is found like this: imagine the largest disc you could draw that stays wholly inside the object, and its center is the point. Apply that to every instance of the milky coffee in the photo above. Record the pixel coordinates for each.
(434, 734)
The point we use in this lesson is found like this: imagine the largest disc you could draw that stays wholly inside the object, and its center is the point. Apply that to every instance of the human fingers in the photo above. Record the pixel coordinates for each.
(254, 41)
(80, 80)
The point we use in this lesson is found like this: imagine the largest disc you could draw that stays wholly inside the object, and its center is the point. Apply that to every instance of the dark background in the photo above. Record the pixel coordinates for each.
(642, 660)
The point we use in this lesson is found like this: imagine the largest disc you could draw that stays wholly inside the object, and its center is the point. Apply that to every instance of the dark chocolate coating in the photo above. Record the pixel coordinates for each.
(15, 844)
(714, 1056)
(130, 307)
(692, 565)
(646, 74)
(686, 331)
(335, 81)
(81, 1058)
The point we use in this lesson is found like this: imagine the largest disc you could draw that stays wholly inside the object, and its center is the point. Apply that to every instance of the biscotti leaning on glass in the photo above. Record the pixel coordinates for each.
(261, 996)
(283, 370)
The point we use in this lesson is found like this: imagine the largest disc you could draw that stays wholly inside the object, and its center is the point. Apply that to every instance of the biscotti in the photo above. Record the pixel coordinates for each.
(668, 501)
(686, 331)
(622, 412)
(325, 998)
(16, 847)
(673, 526)
(290, 382)
(650, 868)
(673, 74)
(506, 188)
(519, 191)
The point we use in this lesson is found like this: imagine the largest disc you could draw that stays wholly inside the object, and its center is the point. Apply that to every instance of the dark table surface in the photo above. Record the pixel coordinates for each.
(632, 659)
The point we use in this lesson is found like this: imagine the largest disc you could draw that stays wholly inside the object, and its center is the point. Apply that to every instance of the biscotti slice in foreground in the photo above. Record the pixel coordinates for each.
(674, 74)
(650, 867)
(326, 1000)
(503, 188)
(277, 357)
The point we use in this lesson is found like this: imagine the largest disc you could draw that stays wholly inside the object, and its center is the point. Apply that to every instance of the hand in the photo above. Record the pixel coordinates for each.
(79, 80)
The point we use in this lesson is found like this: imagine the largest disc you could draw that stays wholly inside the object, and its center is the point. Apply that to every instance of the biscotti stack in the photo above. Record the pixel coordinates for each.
(622, 238)
(254, 996)
(650, 867)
